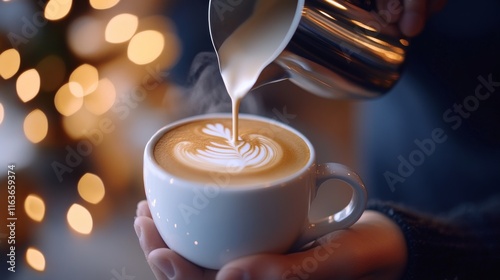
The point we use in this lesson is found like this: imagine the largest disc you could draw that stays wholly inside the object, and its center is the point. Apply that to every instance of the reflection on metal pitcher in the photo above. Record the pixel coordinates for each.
(334, 49)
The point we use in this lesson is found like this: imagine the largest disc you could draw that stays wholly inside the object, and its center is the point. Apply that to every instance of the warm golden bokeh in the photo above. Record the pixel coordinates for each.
(34, 207)
(10, 60)
(77, 78)
(91, 188)
(28, 85)
(145, 47)
(35, 259)
(102, 99)
(103, 4)
(79, 219)
(2, 113)
(83, 80)
(66, 102)
(57, 9)
(86, 37)
(36, 126)
(121, 28)
(78, 124)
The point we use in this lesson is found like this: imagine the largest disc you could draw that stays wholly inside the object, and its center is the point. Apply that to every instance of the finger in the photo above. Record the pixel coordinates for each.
(143, 209)
(148, 235)
(390, 10)
(255, 267)
(166, 264)
(414, 17)
(320, 262)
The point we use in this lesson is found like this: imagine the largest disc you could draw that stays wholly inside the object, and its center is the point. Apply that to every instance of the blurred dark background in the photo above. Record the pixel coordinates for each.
(80, 96)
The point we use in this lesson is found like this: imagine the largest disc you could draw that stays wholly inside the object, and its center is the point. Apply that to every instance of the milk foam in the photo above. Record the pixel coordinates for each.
(253, 153)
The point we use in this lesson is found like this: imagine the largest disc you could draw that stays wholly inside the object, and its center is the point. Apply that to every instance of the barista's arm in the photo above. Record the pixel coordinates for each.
(464, 244)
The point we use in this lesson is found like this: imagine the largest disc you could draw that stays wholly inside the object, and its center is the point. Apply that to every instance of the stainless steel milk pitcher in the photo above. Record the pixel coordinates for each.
(336, 50)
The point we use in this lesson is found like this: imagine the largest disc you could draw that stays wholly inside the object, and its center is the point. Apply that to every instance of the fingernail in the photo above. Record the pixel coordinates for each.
(233, 274)
(138, 230)
(163, 270)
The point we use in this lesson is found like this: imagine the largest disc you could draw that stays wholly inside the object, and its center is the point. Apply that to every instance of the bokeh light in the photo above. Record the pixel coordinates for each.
(102, 99)
(121, 28)
(66, 102)
(172, 44)
(79, 123)
(28, 85)
(103, 4)
(83, 80)
(57, 9)
(10, 60)
(35, 259)
(36, 126)
(85, 36)
(91, 188)
(145, 47)
(68, 63)
(34, 207)
(79, 219)
(2, 113)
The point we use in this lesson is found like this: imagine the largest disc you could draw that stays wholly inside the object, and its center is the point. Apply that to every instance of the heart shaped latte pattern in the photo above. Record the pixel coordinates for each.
(250, 153)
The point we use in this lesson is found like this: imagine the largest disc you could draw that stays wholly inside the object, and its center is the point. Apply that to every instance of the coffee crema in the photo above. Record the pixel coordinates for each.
(203, 151)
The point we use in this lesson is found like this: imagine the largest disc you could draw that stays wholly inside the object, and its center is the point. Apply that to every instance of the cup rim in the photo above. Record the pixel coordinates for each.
(152, 163)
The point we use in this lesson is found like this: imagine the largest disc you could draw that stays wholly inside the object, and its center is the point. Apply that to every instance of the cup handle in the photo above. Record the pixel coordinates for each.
(345, 217)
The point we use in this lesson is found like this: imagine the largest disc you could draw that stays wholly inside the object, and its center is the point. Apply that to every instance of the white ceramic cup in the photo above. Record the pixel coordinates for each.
(211, 224)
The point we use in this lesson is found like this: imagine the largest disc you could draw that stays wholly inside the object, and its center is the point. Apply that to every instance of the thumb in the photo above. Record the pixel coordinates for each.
(319, 262)
(374, 247)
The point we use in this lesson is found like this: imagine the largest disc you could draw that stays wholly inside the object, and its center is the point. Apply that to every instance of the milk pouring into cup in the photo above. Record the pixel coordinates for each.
(242, 58)
(217, 195)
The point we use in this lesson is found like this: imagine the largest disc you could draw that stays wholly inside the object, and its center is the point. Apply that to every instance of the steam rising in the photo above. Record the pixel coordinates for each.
(207, 93)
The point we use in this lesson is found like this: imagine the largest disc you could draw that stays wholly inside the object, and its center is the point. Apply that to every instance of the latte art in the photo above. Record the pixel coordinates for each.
(252, 153)
(204, 151)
